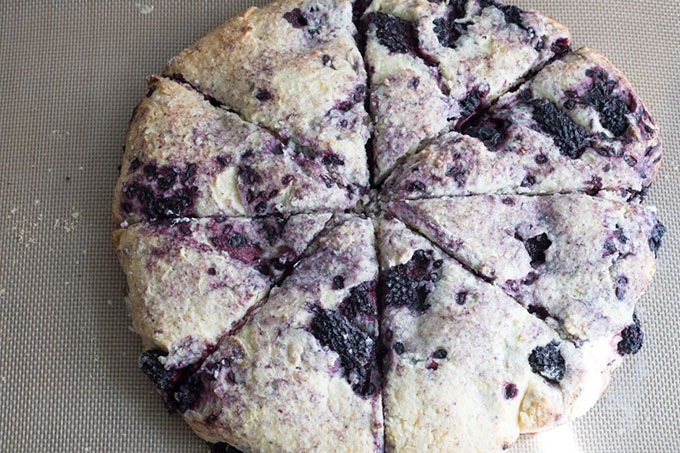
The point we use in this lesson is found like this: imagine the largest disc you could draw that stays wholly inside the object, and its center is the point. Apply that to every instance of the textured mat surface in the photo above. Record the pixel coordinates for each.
(72, 71)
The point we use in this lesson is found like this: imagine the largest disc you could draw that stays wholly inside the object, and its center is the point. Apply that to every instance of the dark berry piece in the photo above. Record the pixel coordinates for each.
(221, 447)
(539, 311)
(471, 103)
(325, 59)
(490, 130)
(222, 161)
(508, 201)
(432, 366)
(296, 18)
(185, 229)
(408, 284)
(547, 361)
(513, 15)
(263, 95)
(186, 395)
(621, 286)
(151, 90)
(135, 164)
(414, 186)
(461, 297)
(620, 236)
(332, 159)
(274, 227)
(609, 248)
(151, 366)
(447, 28)
(338, 282)
(398, 347)
(570, 104)
(509, 391)
(613, 111)
(632, 338)
(439, 354)
(361, 301)
(655, 239)
(528, 181)
(189, 173)
(355, 347)
(151, 170)
(541, 159)
(561, 46)
(127, 207)
(530, 279)
(458, 174)
(237, 240)
(212, 271)
(394, 33)
(570, 137)
(593, 186)
(414, 82)
(249, 175)
(536, 247)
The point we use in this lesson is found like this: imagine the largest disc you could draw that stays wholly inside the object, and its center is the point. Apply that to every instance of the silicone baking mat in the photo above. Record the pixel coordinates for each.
(72, 71)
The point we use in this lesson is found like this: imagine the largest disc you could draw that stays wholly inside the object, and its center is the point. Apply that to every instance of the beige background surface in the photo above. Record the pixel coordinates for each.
(71, 72)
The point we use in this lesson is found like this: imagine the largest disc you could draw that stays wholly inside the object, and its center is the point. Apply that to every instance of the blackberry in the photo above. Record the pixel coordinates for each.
(361, 301)
(612, 110)
(407, 285)
(547, 361)
(222, 447)
(356, 348)
(632, 338)
(569, 137)
(396, 34)
(536, 247)
(296, 18)
(655, 237)
(509, 391)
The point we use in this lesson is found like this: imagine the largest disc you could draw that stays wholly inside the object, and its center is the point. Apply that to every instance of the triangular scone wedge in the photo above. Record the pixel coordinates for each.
(191, 281)
(435, 62)
(578, 262)
(577, 126)
(301, 374)
(467, 369)
(291, 66)
(185, 157)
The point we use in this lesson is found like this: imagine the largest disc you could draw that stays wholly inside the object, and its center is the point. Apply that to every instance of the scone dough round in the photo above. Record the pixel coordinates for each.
(387, 225)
